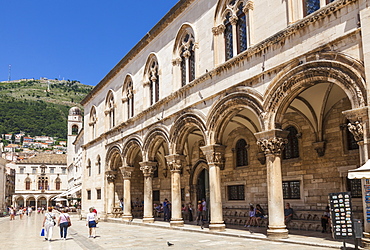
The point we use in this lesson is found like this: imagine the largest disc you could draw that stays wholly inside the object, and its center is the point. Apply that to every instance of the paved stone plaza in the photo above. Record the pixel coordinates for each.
(24, 234)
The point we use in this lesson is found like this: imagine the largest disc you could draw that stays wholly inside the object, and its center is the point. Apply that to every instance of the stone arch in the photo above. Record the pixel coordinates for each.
(294, 79)
(131, 147)
(114, 158)
(182, 126)
(225, 109)
(185, 28)
(152, 141)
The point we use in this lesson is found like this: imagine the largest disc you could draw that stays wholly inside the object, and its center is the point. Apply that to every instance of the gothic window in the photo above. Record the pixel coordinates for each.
(110, 110)
(74, 130)
(128, 96)
(185, 54)
(98, 163)
(57, 184)
(241, 29)
(241, 153)
(235, 22)
(235, 192)
(310, 6)
(291, 149)
(92, 122)
(228, 37)
(292, 189)
(88, 167)
(28, 184)
(152, 76)
(43, 183)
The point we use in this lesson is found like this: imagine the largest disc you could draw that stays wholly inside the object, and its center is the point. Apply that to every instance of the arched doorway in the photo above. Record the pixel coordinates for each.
(19, 202)
(41, 202)
(31, 202)
(200, 185)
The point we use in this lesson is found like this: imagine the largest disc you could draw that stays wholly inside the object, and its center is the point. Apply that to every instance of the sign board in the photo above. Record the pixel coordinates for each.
(341, 215)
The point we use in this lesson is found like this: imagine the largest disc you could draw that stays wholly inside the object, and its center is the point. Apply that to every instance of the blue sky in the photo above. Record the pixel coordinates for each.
(72, 39)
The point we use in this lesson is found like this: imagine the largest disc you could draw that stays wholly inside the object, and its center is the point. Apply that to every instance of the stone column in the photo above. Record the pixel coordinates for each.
(358, 126)
(126, 173)
(219, 45)
(272, 143)
(148, 170)
(111, 176)
(215, 158)
(175, 162)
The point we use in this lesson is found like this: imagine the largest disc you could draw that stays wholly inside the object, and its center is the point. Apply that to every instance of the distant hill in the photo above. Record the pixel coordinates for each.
(39, 107)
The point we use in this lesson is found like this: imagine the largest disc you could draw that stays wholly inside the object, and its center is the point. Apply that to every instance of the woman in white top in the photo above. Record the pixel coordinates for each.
(91, 222)
(49, 223)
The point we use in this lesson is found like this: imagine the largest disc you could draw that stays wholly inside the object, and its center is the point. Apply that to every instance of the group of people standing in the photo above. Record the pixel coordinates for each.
(12, 211)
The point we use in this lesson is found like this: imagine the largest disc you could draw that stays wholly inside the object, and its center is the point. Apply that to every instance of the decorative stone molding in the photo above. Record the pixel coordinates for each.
(111, 176)
(234, 20)
(148, 168)
(356, 129)
(175, 162)
(272, 141)
(176, 61)
(319, 147)
(215, 155)
(126, 172)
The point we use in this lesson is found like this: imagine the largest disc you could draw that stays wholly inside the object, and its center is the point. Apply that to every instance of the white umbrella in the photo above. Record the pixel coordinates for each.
(60, 199)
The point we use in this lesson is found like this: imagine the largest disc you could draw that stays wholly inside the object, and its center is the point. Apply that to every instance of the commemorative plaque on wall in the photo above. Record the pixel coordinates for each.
(341, 215)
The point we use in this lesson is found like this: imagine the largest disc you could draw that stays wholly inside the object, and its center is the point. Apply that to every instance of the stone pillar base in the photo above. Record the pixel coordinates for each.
(148, 220)
(127, 217)
(277, 233)
(217, 227)
(176, 223)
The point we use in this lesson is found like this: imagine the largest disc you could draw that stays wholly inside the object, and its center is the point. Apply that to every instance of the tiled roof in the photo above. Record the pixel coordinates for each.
(56, 159)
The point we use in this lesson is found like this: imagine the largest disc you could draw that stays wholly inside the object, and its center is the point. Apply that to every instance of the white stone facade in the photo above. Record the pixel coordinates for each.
(202, 106)
(39, 179)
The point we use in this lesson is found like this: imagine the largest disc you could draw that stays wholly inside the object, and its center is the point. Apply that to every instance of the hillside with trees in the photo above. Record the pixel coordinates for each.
(39, 107)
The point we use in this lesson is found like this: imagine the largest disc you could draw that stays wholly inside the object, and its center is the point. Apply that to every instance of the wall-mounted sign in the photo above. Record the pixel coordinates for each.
(341, 215)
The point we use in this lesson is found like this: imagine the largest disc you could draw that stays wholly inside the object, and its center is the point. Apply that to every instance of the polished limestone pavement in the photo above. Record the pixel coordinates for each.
(25, 234)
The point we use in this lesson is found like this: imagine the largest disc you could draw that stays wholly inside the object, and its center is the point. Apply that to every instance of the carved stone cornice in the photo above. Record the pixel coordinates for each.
(175, 162)
(356, 129)
(272, 141)
(126, 172)
(359, 114)
(110, 175)
(215, 155)
(176, 61)
(148, 168)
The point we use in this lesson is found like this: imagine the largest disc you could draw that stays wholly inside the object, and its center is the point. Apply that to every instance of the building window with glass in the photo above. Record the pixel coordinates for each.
(292, 189)
(235, 192)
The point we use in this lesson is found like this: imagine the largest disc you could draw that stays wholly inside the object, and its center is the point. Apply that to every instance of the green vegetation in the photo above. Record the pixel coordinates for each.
(39, 107)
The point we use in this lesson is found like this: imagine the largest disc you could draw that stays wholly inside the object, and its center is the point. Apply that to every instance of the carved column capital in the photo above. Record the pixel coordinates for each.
(126, 171)
(110, 175)
(234, 20)
(148, 167)
(218, 30)
(175, 162)
(215, 155)
(272, 141)
(356, 129)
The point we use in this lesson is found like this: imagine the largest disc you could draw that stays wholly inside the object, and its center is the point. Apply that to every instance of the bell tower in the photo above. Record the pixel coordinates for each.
(75, 124)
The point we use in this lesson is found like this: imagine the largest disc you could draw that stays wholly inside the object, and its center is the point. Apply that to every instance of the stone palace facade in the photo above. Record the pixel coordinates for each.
(237, 102)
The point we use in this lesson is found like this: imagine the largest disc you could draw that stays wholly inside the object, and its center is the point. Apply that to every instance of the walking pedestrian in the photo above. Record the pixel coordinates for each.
(204, 209)
(49, 223)
(199, 212)
(12, 213)
(91, 222)
(64, 221)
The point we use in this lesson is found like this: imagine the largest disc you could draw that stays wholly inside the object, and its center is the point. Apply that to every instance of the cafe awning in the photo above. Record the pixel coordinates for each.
(362, 172)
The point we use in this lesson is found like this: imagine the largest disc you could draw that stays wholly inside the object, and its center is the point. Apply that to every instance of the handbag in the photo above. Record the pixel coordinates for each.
(42, 233)
(69, 222)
